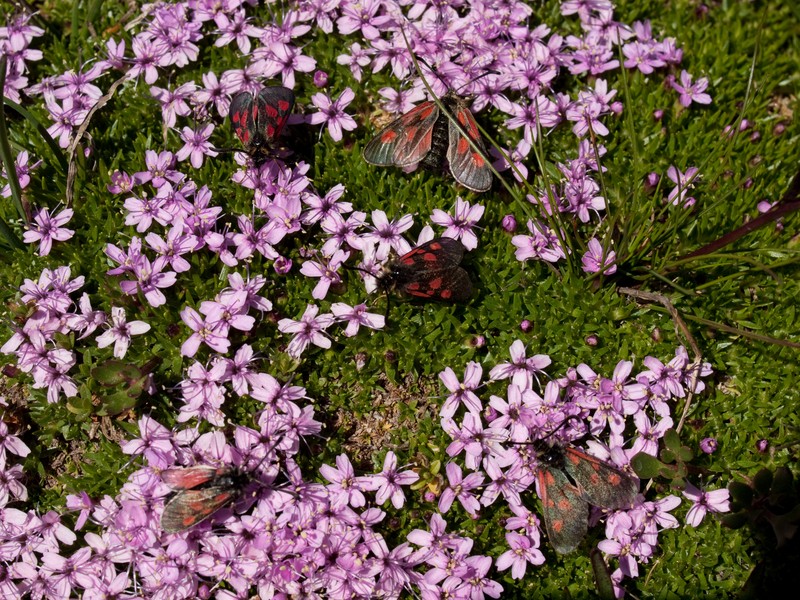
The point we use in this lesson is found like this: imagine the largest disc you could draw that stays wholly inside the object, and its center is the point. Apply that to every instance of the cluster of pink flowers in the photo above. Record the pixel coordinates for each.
(15, 41)
(303, 538)
(299, 537)
(493, 441)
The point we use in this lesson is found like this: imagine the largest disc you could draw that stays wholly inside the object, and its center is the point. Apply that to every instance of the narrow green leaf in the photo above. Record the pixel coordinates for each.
(10, 239)
(5, 149)
(602, 578)
(58, 153)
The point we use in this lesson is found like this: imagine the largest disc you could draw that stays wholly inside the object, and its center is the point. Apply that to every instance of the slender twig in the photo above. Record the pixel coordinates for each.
(73, 168)
(694, 370)
(680, 327)
(680, 324)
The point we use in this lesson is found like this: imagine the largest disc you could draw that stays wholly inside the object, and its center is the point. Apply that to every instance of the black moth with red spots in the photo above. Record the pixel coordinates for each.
(201, 491)
(569, 481)
(430, 272)
(427, 136)
(258, 120)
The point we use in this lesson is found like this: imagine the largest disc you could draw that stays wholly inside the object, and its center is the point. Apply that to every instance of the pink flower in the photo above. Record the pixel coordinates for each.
(308, 330)
(717, 501)
(389, 480)
(523, 551)
(356, 316)
(460, 226)
(120, 332)
(332, 113)
(691, 92)
(48, 228)
(594, 260)
(683, 183)
(462, 392)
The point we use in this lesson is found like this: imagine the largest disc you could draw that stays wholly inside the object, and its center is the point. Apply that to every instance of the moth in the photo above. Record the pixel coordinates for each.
(430, 271)
(427, 136)
(201, 490)
(569, 481)
(259, 119)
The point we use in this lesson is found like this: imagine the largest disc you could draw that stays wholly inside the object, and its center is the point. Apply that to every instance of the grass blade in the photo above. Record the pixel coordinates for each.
(5, 148)
(61, 161)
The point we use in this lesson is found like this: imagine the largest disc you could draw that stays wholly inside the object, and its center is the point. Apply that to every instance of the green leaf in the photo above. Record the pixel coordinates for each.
(741, 493)
(685, 454)
(735, 520)
(672, 441)
(782, 482)
(602, 577)
(762, 482)
(646, 466)
(8, 162)
(668, 456)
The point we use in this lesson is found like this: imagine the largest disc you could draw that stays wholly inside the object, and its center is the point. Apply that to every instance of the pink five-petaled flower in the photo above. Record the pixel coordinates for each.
(345, 488)
(691, 92)
(332, 113)
(434, 541)
(521, 369)
(120, 332)
(593, 261)
(460, 488)
(356, 316)
(308, 330)
(462, 392)
(389, 480)
(88, 320)
(717, 501)
(523, 551)
(476, 584)
(542, 245)
(23, 170)
(155, 442)
(214, 336)
(48, 228)
(387, 234)
(149, 278)
(326, 270)
(11, 487)
(621, 543)
(460, 226)
(196, 145)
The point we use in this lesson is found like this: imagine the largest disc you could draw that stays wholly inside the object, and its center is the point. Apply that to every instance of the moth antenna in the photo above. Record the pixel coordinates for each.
(561, 425)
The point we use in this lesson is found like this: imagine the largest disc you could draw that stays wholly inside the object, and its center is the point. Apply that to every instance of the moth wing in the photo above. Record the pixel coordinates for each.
(437, 253)
(190, 507)
(275, 104)
(242, 117)
(565, 511)
(448, 285)
(186, 478)
(601, 484)
(468, 167)
(406, 140)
